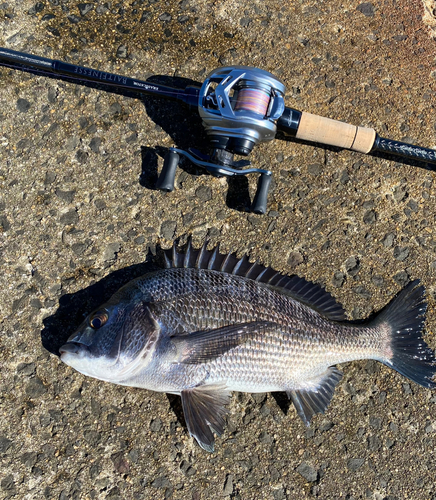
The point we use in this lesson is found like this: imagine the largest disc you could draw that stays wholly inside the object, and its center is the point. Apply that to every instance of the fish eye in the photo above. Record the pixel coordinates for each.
(98, 319)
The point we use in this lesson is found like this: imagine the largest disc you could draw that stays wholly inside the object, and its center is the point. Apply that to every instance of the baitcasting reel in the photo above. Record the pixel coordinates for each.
(240, 107)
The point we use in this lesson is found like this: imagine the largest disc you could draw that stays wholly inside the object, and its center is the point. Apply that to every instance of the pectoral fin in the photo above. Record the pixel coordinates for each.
(204, 411)
(206, 345)
(309, 402)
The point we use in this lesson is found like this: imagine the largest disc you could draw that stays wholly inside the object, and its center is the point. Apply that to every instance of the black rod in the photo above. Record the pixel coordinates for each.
(403, 149)
(21, 60)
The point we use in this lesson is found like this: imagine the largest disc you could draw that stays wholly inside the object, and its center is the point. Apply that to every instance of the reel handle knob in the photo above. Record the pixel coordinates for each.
(260, 199)
(166, 178)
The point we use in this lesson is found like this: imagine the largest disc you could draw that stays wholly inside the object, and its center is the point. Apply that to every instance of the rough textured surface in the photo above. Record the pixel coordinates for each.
(78, 213)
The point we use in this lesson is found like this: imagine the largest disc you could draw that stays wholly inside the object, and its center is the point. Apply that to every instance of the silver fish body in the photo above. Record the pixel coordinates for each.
(210, 324)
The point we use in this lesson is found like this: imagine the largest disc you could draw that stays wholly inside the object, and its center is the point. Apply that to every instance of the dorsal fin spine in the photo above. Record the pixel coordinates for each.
(224, 263)
(250, 269)
(212, 258)
(238, 265)
(200, 255)
(175, 256)
(259, 276)
(187, 255)
(167, 261)
(273, 277)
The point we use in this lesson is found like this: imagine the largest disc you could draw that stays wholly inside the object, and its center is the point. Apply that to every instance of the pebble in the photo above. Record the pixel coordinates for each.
(352, 265)
(38, 7)
(161, 482)
(370, 217)
(265, 438)
(24, 144)
(95, 144)
(67, 196)
(71, 143)
(355, 463)
(23, 105)
(295, 258)
(115, 108)
(372, 367)
(367, 9)
(374, 443)
(279, 494)
(304, 41)
(314, 169)
(7, 484)
(111, 251)
(400, 193)
(73, 19)
(69, 217)
(29, 459)
(406, 388)
(375, 422)
(92, 437)
(308, 472)
(84, 8)
(338, 279)
(378, 281)
(26, 369)
(228, 486)
(325, 426)
(35, 388)
(78, 248)
(82, 156)
(5, 444)
(121, 465)
(402, 278)
(401, 253)
(168, 229)
(344, 177)
(204, 193)
(430, 428)
(156, 425)
(49, 178)
(362, 291)
(165, 17)
(100, 204)
(122, 53)
(245, 21)
(4, 224)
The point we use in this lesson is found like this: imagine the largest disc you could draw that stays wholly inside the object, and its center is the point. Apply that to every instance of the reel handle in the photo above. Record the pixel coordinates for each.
(261, 197)
(166, 178)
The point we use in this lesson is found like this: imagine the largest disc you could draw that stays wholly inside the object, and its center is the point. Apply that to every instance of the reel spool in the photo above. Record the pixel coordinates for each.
(242, 109)
(239, 107)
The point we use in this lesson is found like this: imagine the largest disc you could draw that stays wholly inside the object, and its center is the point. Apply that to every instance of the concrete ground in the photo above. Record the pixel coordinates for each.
(78, 215)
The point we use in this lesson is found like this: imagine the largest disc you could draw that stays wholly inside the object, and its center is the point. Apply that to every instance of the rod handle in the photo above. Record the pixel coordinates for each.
(316, 128)
(261, 197)
(166, 178)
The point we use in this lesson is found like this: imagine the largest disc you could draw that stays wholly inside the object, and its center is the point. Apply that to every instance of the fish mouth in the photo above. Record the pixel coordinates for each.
(72, 348)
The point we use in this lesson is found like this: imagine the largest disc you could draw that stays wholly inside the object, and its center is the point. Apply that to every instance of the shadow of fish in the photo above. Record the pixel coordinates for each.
(210, 324)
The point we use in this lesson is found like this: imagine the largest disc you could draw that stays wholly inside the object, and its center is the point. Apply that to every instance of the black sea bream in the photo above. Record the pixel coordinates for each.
(210, 324)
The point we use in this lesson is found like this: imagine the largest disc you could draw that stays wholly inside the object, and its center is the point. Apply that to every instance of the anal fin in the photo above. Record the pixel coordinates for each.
(204, 411)
(308, 402)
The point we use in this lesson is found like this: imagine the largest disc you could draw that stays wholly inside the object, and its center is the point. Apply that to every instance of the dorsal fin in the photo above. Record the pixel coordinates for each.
(298, 288)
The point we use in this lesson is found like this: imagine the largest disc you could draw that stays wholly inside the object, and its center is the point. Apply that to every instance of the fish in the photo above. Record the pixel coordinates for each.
(210, 323)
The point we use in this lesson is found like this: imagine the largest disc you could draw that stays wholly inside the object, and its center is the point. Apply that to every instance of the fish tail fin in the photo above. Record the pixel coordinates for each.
(406, 351)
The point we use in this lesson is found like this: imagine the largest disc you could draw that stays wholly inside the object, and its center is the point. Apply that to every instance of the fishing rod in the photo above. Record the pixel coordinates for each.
(239, 106)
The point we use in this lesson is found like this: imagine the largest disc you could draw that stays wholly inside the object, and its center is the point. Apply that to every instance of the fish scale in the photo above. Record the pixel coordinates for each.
(210, 324)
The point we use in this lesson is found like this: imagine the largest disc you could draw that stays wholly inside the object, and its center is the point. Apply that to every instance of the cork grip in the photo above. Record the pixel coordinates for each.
(315, 128)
